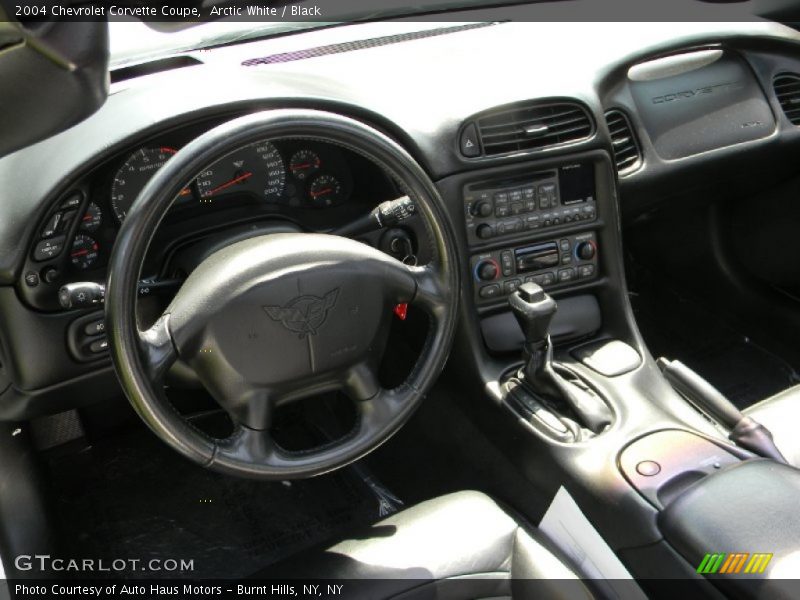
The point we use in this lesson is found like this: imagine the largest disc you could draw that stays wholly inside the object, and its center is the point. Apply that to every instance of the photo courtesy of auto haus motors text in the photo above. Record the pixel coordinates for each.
(152, 590)
(391, 300)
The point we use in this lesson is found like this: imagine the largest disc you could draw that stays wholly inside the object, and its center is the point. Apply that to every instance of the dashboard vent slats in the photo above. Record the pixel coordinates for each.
(627, 152)
(533, 126)
(787, 91)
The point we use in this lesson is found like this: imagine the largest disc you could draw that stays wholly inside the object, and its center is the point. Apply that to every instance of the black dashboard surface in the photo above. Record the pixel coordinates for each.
(433, 87)
(421, 100)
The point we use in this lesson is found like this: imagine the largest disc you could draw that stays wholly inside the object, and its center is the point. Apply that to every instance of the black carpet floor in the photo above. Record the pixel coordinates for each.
(678, 327)
(132, 497)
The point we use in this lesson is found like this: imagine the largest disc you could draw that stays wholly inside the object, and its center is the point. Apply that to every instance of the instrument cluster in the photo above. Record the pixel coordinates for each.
(293, 174)
(309, 183)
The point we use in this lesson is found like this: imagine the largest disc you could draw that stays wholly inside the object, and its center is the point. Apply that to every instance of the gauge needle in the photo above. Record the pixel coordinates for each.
(228, 184)
(321, 192)
(79, 253)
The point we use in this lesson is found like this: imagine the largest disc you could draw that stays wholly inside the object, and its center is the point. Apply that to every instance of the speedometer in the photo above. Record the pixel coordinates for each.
(256, 169)
(132, 176)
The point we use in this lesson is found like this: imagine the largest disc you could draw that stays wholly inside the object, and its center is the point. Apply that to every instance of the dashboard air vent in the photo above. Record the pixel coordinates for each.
(533, 126)
(787, 91)
(627, 153)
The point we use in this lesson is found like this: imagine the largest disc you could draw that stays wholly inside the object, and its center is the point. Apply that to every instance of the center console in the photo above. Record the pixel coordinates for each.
(546, 206)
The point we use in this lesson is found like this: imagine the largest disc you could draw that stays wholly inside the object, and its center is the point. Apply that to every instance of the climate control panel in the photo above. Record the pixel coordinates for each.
(561, 261)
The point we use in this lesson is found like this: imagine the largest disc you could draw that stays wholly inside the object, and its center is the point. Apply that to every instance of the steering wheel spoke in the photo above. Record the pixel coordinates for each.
(431, 294)
(157, 349)
(360, 381)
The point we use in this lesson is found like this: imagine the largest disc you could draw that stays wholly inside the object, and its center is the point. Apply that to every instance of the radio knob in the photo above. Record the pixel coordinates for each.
(487, 270)
(482, 209)
(484, 231)
(585, 251)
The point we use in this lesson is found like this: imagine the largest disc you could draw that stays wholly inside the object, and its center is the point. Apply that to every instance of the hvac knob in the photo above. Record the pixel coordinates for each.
(487, 270)
(482, 209)
(484, 231)
(586, 250)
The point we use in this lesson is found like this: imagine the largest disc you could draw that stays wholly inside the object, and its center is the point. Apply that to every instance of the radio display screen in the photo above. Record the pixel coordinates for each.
(576, 183)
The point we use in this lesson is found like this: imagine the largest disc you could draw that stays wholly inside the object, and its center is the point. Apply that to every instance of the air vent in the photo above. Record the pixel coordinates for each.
(627, 153)
(787, 91)
(532, 127)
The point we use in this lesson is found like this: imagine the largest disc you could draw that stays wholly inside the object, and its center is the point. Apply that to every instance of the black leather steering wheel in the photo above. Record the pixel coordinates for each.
(276, 318)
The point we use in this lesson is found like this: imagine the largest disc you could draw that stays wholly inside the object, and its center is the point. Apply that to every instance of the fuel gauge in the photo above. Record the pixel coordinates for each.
(325, 191)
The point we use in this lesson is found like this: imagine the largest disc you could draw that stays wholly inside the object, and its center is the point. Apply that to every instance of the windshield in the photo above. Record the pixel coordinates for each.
(132, 41)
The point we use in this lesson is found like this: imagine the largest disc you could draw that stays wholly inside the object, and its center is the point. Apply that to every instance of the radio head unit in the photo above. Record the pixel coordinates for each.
(533, 201)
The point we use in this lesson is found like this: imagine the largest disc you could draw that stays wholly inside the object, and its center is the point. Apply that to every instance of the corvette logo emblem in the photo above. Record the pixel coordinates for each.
(305, 314)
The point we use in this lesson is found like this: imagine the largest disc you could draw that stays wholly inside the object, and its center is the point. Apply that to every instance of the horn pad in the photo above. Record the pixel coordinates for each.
(286, 311)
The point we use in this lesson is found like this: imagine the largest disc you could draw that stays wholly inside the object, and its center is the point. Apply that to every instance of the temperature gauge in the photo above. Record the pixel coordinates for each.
(84, 252)
(325, 191)
(304, 163)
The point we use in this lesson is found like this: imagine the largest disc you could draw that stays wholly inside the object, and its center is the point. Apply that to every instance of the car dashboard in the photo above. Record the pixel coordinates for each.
(605, 135)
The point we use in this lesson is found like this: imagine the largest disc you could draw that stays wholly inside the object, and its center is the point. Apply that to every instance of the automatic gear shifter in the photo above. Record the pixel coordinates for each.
(534, 309)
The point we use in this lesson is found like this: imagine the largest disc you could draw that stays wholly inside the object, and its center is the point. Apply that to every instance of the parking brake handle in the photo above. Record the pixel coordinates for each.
(744, 430)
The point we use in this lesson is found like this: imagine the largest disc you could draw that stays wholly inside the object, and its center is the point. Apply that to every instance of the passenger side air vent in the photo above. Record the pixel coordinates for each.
(522, 128)
(787, 91)
(627, 153)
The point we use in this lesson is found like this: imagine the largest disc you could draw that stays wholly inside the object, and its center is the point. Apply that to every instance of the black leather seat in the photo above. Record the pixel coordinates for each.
(462, 545)
(781, 414)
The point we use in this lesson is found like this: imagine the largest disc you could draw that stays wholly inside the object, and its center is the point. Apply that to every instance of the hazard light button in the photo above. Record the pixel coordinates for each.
(469, 141)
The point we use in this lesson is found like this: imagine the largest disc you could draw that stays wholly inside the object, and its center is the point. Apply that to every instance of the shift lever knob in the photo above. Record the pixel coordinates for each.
(534, 310)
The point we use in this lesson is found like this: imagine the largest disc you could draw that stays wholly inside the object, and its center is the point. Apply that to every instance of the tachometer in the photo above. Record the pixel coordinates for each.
(84, 252)
(131, 178)
(256, 169)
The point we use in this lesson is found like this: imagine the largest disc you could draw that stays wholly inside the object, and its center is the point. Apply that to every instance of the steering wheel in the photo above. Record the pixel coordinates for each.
(276, 318)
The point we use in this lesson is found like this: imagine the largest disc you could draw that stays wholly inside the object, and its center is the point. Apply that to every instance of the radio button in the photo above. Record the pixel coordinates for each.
(484, 231)
(517, 208)
(489, 291)
(482, 208)
(501, 210)
(533, 222)
(501, 197)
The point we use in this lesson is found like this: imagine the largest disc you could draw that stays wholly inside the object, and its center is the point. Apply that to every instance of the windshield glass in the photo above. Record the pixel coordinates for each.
(132, 41)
